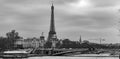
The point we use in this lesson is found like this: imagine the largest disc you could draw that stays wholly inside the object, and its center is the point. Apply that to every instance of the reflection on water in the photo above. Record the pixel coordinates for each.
(74, 58)
(11, 58)
(14, 58)
(56, 57)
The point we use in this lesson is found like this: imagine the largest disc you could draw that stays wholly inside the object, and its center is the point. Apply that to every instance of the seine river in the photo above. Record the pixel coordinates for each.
(73, 58)
(59, 57)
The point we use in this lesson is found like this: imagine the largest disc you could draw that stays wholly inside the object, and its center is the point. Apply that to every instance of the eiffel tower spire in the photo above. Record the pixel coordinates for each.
(52, 24)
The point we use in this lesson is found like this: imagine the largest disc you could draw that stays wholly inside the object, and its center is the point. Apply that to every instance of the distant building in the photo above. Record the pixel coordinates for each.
(80, 40)
(19, 43)
(35, 43)
(27, 43)
(42, 41)
(31, 42)
(86, 41)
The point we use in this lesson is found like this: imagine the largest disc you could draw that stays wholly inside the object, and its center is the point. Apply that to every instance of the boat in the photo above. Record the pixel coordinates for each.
(15, 54)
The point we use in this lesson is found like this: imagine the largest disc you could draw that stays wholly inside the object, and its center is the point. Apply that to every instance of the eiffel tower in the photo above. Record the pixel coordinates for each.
(52, 32)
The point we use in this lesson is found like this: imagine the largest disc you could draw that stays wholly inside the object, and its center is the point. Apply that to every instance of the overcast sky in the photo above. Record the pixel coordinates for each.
(91, 19)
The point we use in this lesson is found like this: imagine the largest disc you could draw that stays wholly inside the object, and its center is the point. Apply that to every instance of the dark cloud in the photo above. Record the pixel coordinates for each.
(105, 3)
(96, 19)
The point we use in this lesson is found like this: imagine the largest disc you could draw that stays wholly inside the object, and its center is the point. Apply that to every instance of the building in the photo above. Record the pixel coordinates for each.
(28, 43)
(31, 42)
(19, 43)
(80, 40)
(42, 41)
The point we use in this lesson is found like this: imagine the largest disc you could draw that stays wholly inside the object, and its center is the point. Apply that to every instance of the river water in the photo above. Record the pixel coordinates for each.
(63, 57)
(48, 57)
